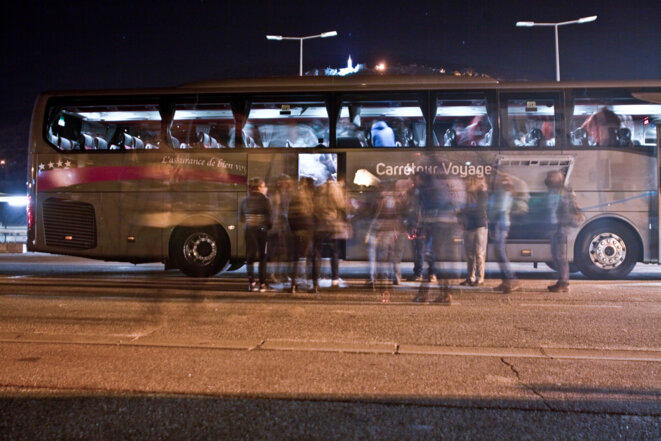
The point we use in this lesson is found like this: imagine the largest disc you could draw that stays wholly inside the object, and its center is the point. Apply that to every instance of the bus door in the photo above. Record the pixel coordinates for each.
(528, 237)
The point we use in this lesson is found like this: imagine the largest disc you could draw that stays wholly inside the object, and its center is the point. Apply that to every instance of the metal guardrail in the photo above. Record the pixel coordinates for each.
(13, 234)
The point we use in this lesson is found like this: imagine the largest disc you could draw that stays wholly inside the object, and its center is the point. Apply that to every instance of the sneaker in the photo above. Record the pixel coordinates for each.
(262, 287)
(432, 278)
(252, 286)
(508, 286)
(415, 278)
(478, 283)
(559, 287)
(467, 283)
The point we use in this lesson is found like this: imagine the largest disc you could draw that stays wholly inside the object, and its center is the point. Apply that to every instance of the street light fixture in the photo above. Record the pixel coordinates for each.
(300, 39)
(529, 24)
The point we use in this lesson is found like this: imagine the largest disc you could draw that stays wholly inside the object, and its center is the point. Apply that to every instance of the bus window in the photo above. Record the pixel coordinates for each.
(318, 166)
(286, 123)
(615, 121)
(462, 122)
(86, 127)
(381, 123)
(528, 122)
(203, 126)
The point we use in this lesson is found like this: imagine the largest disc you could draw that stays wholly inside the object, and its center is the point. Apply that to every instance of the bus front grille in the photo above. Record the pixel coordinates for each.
(69, 224)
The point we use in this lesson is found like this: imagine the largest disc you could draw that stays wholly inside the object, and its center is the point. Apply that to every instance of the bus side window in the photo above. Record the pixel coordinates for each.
(529, 122)
(462, 120)
(287, 122)
(613, 121)
(366, 122)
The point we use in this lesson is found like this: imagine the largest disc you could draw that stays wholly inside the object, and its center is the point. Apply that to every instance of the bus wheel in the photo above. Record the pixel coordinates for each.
(606, 250)
(199, 252)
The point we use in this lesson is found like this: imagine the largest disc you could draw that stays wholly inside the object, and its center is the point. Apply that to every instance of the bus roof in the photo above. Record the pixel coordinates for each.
(357, 83)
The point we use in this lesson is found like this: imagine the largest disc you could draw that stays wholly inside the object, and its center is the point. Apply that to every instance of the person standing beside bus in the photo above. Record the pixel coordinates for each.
(564, 215)
(280, 237)
(421, 243)
(255, 213)
(330, 211)
(301, 222)
(442, 197)
(499, 207)
(474, 220)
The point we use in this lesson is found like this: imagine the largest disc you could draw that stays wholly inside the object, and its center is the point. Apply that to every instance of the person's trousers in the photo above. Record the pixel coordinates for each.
(256, 239)
(475, 245)
(500, 235)
(559, 254)
(320, 239)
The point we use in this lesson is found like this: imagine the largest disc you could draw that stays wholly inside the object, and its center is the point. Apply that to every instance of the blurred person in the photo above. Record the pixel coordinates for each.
(474, 220)
(280, 237)
(564, 215)
(382, 135)
(477, 133)
(330, 213)
(441, 199)
(415, 228)
(255, 212)
(548, 134)
(301, 223)
(601, 127)
(403, 188)
(382, 238)
(499, 207)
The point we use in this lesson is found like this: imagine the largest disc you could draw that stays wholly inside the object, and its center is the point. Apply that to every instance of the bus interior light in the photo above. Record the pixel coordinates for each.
(15, 201)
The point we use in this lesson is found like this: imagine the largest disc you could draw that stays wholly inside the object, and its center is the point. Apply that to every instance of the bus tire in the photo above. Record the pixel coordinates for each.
(606, 250)
(200, 251)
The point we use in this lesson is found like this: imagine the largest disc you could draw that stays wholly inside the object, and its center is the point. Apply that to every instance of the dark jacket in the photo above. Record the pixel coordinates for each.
(474, 215)
(256, 211)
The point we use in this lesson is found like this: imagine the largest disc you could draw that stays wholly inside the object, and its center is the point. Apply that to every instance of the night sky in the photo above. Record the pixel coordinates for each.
(71, 44)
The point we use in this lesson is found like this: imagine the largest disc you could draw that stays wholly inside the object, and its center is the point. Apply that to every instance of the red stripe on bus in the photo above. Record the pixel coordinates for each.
(61, 177)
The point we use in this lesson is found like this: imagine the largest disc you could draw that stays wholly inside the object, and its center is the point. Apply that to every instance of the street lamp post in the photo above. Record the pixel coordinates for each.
(300, 39)
(529, 24)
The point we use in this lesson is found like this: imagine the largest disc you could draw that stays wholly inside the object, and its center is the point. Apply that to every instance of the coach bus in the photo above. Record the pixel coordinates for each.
(158, 175)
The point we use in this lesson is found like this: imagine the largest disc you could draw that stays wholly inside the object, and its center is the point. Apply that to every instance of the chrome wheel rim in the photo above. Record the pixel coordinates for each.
(607, 250)
(200, 249)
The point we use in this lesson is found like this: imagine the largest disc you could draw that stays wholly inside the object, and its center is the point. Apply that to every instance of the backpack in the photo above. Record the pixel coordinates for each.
(520, 203)
(573, 216)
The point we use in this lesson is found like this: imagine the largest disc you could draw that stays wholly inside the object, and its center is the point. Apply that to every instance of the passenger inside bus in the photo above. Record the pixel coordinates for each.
(477, 133)
(532, 133)
(602, 128)
(382, 135)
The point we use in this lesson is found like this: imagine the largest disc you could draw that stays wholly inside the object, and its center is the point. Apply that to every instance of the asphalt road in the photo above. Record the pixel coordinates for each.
(94, 350)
